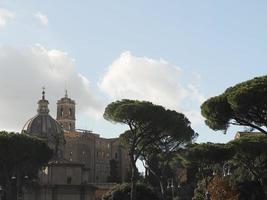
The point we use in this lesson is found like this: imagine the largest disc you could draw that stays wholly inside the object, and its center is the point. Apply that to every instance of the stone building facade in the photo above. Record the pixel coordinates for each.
(95, 153)
(80, 166)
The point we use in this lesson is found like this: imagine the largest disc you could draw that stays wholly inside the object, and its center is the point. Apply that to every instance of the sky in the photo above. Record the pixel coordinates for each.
(173, 53)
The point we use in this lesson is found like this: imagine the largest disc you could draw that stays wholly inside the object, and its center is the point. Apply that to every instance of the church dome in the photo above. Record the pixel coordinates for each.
(46, 128)
(42, 126)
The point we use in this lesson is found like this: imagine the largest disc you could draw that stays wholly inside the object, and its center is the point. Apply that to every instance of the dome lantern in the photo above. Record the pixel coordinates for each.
(43, 104)
(46, 128)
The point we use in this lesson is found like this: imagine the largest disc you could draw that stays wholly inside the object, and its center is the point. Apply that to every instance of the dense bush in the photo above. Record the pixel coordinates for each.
(122, 192)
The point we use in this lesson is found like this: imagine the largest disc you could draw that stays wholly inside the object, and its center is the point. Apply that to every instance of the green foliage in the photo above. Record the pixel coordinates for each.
(251, 190)
(200, 190)
(206, 154)
(145, 126)
(21, 154)
(20, 149)
(242, 181)
(122, 192)
(205, 157)
(244, 104)
(217, 112)
(153, 131)
(246, 157)
(250, 154)
(126, 111)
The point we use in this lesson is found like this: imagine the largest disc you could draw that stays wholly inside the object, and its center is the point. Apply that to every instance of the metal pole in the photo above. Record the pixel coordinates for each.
(172, 189)
(172, 192)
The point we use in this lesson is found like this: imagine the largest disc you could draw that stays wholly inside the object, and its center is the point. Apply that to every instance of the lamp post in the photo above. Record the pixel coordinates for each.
(207, 173)
(226, 169)
(1, 192)
(171, 185)
(17, 180)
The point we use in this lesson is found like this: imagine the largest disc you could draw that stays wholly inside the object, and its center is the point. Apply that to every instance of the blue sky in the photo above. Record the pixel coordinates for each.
(214, 44)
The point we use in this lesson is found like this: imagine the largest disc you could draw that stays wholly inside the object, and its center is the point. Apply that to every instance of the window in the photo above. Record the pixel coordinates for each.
(61, 112)
(116, 155)
(69, 127)
(70, 112)
(71, 156)
(68, 180)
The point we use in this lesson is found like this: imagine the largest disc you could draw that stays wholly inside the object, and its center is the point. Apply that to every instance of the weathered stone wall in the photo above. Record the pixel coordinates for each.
(95, 153)
(61, 192)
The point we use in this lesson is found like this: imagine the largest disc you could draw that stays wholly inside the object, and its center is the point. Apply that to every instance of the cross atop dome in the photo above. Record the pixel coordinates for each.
(43, 93)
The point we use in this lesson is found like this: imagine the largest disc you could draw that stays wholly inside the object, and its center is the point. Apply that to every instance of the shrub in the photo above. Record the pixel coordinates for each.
(123, 192)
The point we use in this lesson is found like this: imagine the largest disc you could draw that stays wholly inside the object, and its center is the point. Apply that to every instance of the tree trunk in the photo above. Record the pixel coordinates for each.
(161, 184)
(8, 190)
(8, 184)
(133, 178)
(162, 189)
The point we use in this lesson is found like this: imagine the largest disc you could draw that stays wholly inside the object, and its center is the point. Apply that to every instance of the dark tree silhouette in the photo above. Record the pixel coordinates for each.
(21, 155)
(244, 104)
(149, 126)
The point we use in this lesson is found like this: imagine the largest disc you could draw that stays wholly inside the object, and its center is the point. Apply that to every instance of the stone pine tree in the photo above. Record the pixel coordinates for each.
(20, 155)
(177, 133)
(148, 125)
(244, 104)
(251, 155)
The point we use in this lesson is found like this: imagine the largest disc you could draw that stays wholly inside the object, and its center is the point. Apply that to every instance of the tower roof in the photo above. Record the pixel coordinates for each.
(66, 99)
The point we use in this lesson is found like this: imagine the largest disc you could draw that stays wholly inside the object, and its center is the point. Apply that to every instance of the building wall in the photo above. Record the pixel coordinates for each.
(61, 192)
(95, 153)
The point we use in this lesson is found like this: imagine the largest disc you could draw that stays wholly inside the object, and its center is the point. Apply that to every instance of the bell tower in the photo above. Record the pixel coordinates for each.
(66, 113)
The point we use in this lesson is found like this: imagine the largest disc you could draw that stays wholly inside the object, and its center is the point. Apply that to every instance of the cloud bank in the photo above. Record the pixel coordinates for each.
(5, 15)
(43, 18)
(153, 80)
(24, 71)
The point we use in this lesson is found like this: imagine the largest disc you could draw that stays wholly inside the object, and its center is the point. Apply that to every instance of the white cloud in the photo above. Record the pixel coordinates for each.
(4, 16)
(153, 80)
(43, 18)
(24, 71)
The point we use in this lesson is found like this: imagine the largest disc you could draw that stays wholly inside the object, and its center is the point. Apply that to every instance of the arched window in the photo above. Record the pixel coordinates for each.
(70, 112)
(61, 112)
(69, 126)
